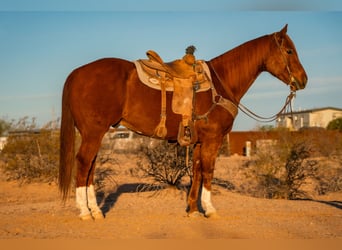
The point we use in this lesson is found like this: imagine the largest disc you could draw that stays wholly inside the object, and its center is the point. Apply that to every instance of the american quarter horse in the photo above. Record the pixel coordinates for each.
(108, 92)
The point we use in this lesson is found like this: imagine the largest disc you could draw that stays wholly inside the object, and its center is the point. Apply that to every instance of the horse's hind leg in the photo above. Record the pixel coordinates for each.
(85, 193)
(196, 182)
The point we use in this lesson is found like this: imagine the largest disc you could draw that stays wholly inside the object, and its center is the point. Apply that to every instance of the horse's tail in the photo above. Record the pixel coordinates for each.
(67, 144)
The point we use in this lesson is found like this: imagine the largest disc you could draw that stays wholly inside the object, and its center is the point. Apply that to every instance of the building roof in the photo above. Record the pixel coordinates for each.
(311, 110)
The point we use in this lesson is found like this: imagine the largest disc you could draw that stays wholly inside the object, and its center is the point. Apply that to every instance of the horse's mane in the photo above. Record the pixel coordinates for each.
(242, 63)
(251, 50)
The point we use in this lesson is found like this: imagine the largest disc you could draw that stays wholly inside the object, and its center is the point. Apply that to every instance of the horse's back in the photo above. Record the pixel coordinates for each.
(105, 67)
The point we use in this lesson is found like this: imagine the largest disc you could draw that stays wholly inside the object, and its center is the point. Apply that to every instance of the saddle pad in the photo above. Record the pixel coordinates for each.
(153, 81)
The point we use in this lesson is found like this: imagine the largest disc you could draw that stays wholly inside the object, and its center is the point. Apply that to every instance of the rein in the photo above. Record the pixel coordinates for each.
(286, 108)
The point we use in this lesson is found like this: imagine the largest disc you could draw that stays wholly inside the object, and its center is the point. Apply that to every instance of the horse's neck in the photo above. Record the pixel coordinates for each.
(237, 69)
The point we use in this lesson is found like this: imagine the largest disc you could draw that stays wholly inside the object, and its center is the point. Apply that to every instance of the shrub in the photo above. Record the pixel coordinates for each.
(166, 163)
(298, 168)
(283, 171)
(329, 175)
(335, 124)
(4, 127)
(32, 156)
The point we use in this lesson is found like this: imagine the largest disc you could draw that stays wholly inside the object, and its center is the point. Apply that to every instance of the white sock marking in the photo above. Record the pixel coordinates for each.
(81, 200)
(92, 202)
(85, 200)
(206, 201)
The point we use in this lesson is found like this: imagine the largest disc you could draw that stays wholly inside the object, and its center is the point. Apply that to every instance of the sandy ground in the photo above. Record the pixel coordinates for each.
(34, 211)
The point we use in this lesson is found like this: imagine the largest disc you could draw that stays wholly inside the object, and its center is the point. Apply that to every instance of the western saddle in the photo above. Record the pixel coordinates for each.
(183, 77)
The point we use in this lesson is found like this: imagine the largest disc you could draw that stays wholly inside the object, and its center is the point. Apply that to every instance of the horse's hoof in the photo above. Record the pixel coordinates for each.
(194, 214)
(98, 216)
(86, 217)
(212, 215)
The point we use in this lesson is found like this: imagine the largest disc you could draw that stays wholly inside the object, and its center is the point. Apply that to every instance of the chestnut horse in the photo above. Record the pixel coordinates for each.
(108, 92)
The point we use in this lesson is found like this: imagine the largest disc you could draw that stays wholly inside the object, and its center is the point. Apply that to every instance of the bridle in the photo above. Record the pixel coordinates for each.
(292, 79)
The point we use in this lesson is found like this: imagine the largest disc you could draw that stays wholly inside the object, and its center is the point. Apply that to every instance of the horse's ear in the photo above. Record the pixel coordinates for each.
(283, 31)
(281, 34)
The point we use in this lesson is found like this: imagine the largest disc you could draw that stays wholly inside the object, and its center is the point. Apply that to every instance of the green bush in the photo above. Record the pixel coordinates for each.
(335, 124)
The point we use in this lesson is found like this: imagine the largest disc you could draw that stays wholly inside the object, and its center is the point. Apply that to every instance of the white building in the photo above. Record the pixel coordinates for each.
(319, 117)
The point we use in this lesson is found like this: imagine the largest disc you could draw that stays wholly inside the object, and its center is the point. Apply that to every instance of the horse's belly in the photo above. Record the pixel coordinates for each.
(142, 112)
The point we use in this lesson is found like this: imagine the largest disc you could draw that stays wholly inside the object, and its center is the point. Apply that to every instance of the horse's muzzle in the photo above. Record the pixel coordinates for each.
(296, 84)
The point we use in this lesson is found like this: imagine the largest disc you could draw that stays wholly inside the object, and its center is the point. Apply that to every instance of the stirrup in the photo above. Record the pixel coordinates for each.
(186, 134)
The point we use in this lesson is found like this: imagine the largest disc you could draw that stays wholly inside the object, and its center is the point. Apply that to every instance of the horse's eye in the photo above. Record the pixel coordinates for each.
(289, 51)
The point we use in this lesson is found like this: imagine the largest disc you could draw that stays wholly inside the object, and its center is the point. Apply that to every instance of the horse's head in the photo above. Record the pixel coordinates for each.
(284, 63)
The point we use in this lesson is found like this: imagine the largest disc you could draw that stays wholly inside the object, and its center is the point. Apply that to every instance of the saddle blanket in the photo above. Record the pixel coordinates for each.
(152, 81)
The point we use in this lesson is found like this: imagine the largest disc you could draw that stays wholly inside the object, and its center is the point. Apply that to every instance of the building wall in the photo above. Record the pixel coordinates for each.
(3, 141)
(237, 140)
(309, 118)
(259, 140)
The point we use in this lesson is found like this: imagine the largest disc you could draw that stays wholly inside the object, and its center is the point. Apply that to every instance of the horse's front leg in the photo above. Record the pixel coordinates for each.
(209, 153)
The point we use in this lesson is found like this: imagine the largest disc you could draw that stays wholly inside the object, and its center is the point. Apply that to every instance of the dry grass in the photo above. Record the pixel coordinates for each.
(293, 168)
(31, 157)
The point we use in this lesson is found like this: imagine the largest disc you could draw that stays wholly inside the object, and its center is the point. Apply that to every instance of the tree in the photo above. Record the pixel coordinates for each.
(335, 124)
(4, 127)
(264, 128)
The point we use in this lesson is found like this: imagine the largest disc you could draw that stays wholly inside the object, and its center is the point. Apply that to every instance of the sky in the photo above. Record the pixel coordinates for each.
(43, 41)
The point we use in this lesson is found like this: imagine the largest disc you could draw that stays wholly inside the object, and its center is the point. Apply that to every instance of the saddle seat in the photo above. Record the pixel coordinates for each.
(180, 68)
